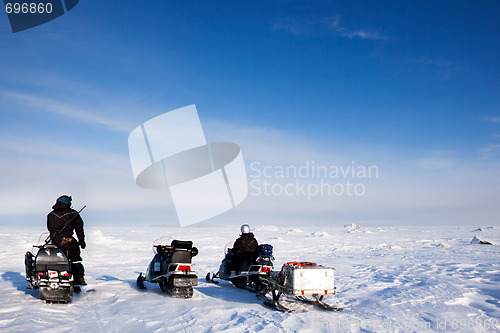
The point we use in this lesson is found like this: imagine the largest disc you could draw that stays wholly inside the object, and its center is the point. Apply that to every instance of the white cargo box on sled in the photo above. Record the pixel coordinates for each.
(305, 278)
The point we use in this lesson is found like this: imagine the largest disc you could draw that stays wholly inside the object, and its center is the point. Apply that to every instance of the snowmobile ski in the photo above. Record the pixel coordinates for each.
(211, 279)
(273, 303)
(140, 281)
(276, 306)
(318, 301)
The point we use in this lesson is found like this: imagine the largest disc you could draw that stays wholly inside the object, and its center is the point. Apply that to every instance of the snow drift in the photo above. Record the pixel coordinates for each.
(398, 278)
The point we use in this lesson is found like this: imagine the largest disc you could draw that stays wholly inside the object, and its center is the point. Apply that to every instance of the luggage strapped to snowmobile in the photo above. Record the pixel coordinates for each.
(265, 255)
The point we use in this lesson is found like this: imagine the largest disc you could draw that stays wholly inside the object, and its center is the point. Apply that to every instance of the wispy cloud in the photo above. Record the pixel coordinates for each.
(294, 27)
(330, 24)
(490, 151)
(443, 69)
(335, 26)
(40, 170)
(438, 160)
(60, 108)
(492, 119)
(436, 163)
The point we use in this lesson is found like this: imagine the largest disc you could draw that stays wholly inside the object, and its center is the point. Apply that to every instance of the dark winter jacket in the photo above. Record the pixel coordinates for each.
(57, 219)
(246, 244)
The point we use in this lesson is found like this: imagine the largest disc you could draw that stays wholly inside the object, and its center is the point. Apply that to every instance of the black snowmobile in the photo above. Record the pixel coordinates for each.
(50, 271)
(250, 270)
(171, 268)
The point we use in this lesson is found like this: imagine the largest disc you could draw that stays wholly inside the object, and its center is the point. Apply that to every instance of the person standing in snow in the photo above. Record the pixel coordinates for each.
(244, 248)
(62, 235)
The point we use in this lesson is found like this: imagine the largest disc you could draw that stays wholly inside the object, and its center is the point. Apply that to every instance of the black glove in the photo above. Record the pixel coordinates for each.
(82, 244)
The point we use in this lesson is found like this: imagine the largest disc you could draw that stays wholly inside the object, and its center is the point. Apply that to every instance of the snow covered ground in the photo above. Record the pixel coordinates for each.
(388, 279)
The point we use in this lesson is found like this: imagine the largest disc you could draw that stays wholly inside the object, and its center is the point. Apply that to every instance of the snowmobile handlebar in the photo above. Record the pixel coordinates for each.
(51, 237)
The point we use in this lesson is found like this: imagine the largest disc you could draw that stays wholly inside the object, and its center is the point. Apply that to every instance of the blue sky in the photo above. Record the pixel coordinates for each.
(411, 87)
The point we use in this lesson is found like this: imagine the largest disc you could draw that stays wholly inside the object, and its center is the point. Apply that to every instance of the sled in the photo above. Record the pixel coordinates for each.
(305, 281)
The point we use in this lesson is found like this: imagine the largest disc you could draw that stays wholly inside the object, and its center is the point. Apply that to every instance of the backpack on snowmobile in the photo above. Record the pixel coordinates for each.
(171, 268)
(265, 255)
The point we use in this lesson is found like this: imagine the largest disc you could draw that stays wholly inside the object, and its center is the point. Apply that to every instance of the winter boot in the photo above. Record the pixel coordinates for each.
(78, 273)
(81, 281)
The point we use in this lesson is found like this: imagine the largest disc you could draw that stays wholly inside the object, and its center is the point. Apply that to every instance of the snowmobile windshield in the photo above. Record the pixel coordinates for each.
(164, 240)
(40, 242)
(228, 246)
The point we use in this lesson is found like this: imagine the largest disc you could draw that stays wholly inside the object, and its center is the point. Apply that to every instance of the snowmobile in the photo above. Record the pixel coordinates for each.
(250, 271)
(306, 282)
(171, 268)
(50, 271)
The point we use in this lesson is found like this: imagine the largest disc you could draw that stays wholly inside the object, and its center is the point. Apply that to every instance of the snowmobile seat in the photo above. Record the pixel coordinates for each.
(245, 263)
(181, 256)
(181, 251)
(53, 258)
(178, 244)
